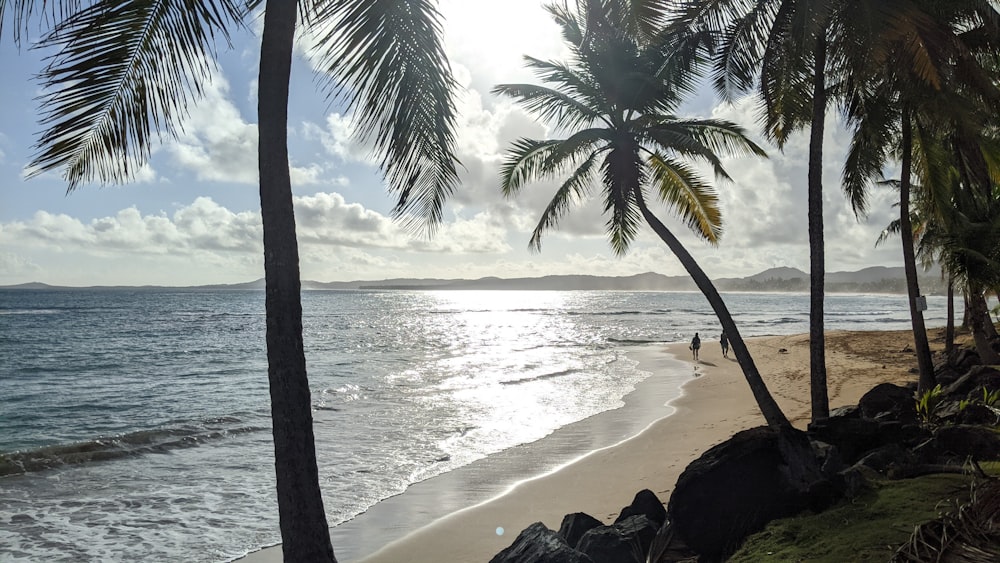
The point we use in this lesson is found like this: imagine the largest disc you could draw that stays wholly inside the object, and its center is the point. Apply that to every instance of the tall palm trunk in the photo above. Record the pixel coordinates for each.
(817, 267)
(768, 407)
(922, 347)
(304, 532)
(979, 317)
(949, 332)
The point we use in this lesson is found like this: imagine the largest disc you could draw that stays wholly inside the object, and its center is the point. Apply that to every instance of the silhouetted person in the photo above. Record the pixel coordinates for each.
(724, 341)
(695, 346)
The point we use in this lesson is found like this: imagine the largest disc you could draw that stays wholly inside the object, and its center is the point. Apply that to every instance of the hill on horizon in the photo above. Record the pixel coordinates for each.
(876, 279)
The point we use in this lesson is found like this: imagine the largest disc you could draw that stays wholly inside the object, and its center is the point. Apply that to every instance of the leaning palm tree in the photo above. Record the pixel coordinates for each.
(780, 49)
(615, 99)
(123, 73)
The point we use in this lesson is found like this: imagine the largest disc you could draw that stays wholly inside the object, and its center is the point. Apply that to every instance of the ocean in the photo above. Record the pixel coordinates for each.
(134, 423)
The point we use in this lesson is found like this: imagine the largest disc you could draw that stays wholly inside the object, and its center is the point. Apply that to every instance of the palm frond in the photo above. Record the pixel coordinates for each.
(705, 140)
(122, 75)
(891, 230)
(526, 160)
(622, 174)
(875, 123)
(550, 105)
(386, 60)
(573, 189)
(21, 13)
(692, 199)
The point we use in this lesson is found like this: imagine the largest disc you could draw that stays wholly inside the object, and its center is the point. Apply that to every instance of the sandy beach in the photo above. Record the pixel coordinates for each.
(715, 403)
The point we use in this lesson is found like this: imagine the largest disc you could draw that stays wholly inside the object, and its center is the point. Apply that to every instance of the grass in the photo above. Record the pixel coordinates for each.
(867, 528)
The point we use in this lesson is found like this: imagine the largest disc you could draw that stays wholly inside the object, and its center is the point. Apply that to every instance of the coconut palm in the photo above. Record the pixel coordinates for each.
(615, 99)
(123, 73)
(890, 104)
(798, 56)
(779, 49)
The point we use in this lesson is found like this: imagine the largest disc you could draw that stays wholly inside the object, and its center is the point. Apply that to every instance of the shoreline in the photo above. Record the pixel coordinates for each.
(709, 408)
(477, 483)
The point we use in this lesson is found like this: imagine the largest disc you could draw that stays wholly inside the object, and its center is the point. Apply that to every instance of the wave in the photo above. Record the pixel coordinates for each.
(550, 375)
(29, 311)
(131, 444)
(638, 341)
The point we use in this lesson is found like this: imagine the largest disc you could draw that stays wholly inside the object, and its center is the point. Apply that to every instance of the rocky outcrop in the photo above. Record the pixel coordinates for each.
(626, 541)
(583, 539)
(735, 488)
(538, 544)
(575, 525)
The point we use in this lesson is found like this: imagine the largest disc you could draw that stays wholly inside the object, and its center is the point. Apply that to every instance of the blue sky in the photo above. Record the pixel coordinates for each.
(192, 216)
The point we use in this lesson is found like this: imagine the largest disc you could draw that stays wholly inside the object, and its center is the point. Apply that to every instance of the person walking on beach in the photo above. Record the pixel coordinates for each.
(695, 346)
(724, 341)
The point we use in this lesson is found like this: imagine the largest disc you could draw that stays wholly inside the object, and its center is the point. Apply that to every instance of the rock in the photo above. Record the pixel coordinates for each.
(883, 458)
(888, 401)
(857, 479)
(965, 359)
(738, 486)
(852, 436)
(645, 502)
(575, 525)
(847, 411)
(830, 461)
(959, 442)
(538, 544)
(626, 541)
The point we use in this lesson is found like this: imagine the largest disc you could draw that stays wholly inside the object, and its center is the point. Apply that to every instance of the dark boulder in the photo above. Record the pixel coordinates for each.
(645, 502)
(626, 541)
(735, 488)
(886, 401)
(886, 457)
(575, 525)
(955, 443)
(852, 436)
(538, 544)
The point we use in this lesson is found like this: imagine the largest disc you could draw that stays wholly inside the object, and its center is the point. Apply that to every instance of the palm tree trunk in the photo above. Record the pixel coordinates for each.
(979, 317)
(304, 532)
(949, 333)
(817, 267)
(966, 312)
(990, 328)
(768, 407)
(922, 347)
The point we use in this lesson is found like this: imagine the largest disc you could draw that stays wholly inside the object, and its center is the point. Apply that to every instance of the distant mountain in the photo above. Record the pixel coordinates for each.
(782, 273)
(878, 279)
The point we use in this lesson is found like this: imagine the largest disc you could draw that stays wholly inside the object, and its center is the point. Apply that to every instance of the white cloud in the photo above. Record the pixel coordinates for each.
(218, 145)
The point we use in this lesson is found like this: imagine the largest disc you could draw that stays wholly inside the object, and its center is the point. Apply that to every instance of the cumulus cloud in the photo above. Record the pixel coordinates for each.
(217, 144)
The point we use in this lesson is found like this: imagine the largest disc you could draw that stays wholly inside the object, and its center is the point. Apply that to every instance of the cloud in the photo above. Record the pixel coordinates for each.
(217, 145)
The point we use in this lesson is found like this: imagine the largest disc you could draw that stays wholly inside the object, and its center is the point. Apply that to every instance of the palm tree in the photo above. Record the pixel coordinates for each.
(895, 102)
(615, 100)
(799, 55)
(124, 72)
(779, 48)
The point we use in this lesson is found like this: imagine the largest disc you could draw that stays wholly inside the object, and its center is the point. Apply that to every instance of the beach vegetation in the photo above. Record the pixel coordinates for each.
(869, 527)
(123, 73)
(929, 403)
(616, 100)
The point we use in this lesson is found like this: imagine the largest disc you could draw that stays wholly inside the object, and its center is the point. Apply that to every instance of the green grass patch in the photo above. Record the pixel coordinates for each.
(867, 528)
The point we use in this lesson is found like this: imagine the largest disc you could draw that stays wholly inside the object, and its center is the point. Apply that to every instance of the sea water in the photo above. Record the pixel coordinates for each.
(134, 424)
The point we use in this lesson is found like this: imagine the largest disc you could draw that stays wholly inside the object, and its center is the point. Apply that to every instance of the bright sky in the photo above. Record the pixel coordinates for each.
(194, 216)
